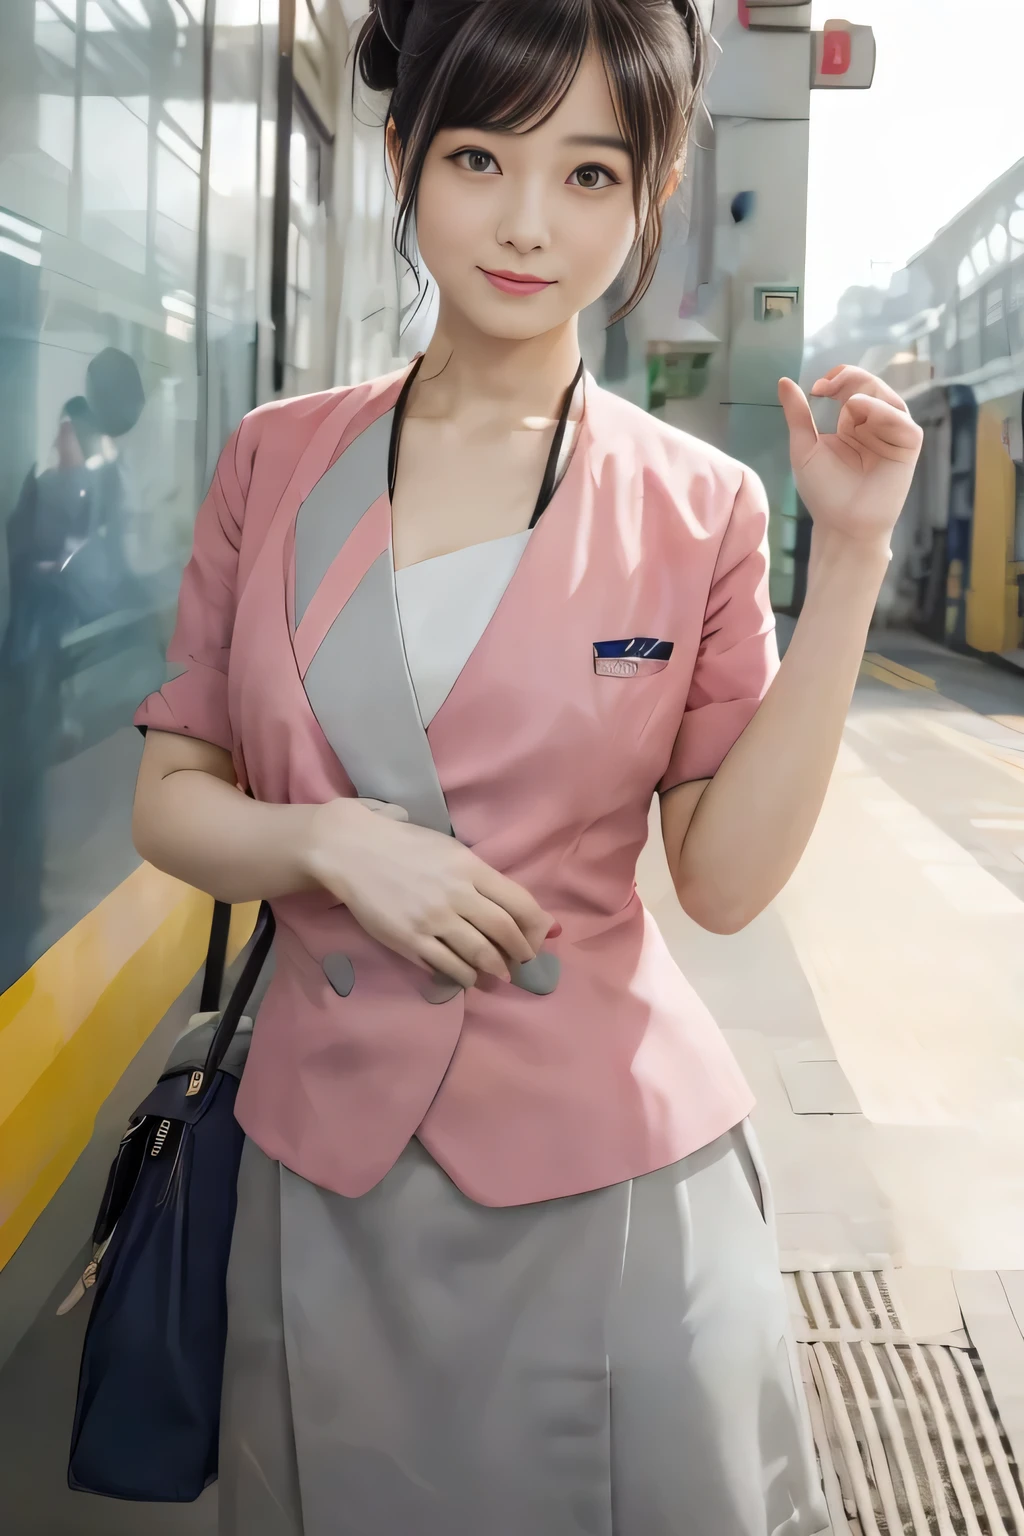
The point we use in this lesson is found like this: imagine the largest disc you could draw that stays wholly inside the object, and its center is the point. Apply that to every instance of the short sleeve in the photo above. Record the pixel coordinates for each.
(738, 655)
(195, 702)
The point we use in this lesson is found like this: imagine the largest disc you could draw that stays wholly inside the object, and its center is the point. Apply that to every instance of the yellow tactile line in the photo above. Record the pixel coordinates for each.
(897, 676)
(71, 1025)
(885, 671)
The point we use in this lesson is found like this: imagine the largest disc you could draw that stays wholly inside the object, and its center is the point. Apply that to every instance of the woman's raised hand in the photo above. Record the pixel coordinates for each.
(422, 894)
(853, 481)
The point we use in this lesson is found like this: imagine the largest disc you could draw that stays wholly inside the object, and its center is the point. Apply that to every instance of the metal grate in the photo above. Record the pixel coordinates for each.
(907, 1433)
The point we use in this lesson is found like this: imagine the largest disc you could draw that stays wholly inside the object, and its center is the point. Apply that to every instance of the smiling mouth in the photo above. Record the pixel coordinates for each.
(520, 283)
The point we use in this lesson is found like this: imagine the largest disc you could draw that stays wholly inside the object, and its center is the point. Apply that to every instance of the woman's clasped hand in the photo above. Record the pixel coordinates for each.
(422, 894)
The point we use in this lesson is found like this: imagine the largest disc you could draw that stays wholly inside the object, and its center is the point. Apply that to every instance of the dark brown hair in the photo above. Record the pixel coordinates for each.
(504, 65)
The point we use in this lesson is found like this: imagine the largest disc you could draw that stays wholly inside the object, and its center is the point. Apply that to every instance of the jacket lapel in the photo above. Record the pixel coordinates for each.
(348, 638)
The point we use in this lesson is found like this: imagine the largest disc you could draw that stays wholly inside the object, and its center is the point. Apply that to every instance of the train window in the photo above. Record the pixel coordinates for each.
(118, 274)
(236, 248)
(969, 318)
(998, 241)
(306, 361)
(1017, 309)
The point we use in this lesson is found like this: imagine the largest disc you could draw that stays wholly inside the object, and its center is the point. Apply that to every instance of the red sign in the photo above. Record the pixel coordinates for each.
(837, 52)
(744, 13)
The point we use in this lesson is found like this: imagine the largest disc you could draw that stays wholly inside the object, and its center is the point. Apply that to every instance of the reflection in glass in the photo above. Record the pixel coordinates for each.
(115, 187)
(307, 238)
(114, 282)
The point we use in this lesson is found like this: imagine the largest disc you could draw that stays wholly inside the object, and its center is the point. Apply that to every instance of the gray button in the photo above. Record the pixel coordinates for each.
(340, 972)
(440, 988)
(539, 976)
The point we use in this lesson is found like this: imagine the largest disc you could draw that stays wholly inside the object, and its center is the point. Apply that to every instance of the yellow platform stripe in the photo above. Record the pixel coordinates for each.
(880, 675)
(70, 1027)
(919, 679)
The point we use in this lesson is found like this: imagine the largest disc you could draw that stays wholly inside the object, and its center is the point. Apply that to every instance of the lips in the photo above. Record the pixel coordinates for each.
(519, 283)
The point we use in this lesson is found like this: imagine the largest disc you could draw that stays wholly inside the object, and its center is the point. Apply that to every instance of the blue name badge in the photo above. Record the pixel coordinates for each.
(631, 658)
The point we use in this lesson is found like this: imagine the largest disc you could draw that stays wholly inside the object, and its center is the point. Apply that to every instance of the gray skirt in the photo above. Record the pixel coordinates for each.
(616, 1363)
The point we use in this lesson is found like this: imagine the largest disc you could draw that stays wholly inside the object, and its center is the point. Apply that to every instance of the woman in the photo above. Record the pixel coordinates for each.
(503, 1263)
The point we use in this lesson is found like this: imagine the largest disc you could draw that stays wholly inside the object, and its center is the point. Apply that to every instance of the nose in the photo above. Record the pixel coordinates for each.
(524, 224)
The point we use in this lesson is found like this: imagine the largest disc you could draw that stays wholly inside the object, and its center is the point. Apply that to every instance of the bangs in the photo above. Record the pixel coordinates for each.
(513, 65)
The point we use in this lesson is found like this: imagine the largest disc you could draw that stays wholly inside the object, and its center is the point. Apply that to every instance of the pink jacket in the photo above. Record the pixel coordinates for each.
(602, 1064)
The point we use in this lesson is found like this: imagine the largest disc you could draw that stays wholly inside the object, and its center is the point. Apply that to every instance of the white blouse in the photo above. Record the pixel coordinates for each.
(446, 603)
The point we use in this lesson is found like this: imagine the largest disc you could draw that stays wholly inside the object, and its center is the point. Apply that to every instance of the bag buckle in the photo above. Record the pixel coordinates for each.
(87, 1281)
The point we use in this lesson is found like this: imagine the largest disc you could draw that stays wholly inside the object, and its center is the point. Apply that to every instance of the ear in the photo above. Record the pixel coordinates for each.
(671, 186)
(393, 145)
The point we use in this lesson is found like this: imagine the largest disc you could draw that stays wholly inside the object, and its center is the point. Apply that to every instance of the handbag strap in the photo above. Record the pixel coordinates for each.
(216, 957)
(263, 938)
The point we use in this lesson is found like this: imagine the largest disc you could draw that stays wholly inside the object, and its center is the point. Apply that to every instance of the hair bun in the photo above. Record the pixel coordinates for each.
(380, 42)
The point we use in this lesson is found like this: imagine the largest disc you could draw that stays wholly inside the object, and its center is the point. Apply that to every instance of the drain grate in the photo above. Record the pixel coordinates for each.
(907, 1432)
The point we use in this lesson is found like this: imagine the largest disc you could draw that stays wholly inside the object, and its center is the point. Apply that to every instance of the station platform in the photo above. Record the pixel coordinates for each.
(877, 1009)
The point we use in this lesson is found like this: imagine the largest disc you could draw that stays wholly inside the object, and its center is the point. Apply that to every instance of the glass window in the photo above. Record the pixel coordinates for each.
(108, 294)
(995, 341)
(1016, 307)
(980, 257)
(307, 359)
(970, 334)
(115, 187)
(234, 273)
(969, 319)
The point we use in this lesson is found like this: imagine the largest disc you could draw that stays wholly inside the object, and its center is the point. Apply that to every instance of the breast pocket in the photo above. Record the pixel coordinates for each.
(636, 658)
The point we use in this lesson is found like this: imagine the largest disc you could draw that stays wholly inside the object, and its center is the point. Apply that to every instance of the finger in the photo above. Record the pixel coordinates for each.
(843, 383)
(821, 386)
(438, 958)
(385, 808)
(528, 915)
(803, 434)
(498, 925)
(873, 421)
(475, 948)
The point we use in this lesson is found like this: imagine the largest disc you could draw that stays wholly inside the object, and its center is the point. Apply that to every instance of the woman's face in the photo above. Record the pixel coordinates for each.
(554, 204)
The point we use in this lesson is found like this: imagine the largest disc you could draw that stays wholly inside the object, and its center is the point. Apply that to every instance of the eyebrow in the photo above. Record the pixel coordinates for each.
(597, 141)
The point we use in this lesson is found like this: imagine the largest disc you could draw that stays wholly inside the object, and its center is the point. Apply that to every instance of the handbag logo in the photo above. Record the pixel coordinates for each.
(195, 1083)
(160, 1138)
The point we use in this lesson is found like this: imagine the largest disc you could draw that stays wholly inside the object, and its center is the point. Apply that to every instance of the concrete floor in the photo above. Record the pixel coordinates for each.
(897, 952)
(877, 1008)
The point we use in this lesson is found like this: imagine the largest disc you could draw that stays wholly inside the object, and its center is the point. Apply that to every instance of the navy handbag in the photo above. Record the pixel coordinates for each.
(148, 1411)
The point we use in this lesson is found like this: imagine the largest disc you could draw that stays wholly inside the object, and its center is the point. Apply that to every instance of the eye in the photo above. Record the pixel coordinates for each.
(478, 161)
(593, 178)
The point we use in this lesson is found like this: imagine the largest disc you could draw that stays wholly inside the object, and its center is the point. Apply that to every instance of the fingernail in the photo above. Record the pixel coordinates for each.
(554, 930)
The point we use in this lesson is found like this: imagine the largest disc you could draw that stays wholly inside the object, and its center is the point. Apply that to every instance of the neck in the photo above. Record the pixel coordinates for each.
(466, 374)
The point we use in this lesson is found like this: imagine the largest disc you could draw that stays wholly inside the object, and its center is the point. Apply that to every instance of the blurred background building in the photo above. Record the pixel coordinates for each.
(947, 331)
